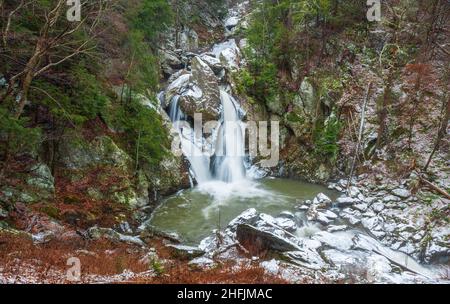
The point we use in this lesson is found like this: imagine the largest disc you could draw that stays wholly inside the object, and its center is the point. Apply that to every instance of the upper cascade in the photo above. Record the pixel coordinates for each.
(201, 88)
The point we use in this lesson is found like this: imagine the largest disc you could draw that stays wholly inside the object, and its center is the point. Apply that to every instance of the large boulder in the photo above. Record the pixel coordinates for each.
(170, 176)
(213, 62)
(38, 186)
(258, 240)
(199, 93)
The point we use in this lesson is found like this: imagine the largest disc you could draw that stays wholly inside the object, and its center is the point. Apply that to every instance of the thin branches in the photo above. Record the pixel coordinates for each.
(52, 43)
(360, 133)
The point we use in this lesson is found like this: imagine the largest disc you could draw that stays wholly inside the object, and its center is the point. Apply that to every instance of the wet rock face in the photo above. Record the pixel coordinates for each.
(202, 94)
(38, 186)
(197, 91)
(297, 161)
(78, 155)
(139, 192)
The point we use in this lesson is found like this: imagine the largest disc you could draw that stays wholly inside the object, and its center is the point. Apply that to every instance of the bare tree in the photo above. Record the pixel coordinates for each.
(53, 45)
(442, 129)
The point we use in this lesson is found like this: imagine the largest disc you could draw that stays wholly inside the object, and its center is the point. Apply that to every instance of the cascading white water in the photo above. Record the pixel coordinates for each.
(229, 164)
(229, 153)
(175, 112)
(223, 160)
(189, 143)
(198, 159)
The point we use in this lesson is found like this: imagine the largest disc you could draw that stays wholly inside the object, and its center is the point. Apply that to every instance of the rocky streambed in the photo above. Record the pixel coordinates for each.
(347, 238)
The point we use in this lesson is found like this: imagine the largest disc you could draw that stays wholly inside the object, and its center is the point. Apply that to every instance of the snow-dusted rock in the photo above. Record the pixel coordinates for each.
(402, 193)
(364, 242)
(306, 257)
(177, 86)
(228, 53)
(263, 240)
(369, 213)
(231, 22)
(213, 62)
(361, 207)
(342, 241)
(98, 233)
(333, 228)
(184, 251)
(323, 199)
(247, 216)
(371, 223)
(286, 224)
(202, 263)
(391, 198)
(230, 59)
(346, 201)
(329, 214)
(353, 216)
(322, 218)
(353, 191)
(377, 207)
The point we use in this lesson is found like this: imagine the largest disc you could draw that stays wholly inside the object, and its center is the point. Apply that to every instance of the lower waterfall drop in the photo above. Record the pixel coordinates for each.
(230, 150)
(227, 162)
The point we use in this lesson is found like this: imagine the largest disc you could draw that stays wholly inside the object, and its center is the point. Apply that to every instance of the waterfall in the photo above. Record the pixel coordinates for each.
(227, 162)
(230, 151)
(175, 112)
(220, 156)
(198, 159)
(190, 145)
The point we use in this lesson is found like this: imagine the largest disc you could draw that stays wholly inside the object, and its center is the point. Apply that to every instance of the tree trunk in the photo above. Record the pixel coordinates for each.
(383, 112)
(29, 71)
(360, 134)
(441, 133)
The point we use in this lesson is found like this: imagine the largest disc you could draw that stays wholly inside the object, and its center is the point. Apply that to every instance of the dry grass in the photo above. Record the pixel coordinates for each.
(103, 258)
(100, 257)
(182, 274)
(76, 207)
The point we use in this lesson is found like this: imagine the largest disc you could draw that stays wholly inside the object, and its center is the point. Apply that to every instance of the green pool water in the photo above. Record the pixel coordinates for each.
(194, 213)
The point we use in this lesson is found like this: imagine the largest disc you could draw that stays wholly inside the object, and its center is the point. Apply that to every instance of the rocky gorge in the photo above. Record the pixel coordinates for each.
(372, 227)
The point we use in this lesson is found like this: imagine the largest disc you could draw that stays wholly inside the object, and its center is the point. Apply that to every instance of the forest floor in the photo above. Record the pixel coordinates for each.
(104, 261)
